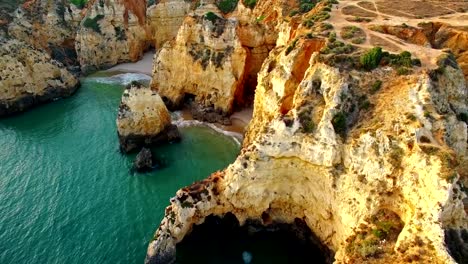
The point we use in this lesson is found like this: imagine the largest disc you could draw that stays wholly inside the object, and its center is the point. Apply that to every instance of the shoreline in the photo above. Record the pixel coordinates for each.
(240, 120)
(123, 73)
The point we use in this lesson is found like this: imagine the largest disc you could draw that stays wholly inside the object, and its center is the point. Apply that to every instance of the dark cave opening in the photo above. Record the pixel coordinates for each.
(223, 240)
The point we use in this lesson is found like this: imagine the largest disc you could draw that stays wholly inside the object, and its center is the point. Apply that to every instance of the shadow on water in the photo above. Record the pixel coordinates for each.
(223, 240)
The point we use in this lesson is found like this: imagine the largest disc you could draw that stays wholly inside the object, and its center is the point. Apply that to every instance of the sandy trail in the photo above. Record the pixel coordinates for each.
(426, 54)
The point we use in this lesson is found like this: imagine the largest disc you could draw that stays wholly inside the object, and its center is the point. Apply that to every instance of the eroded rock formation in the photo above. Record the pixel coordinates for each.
(143, 119)
(110, 34)
(371, 161)
(29, 77)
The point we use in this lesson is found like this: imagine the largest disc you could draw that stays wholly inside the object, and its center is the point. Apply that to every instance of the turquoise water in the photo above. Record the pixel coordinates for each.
(66, 193)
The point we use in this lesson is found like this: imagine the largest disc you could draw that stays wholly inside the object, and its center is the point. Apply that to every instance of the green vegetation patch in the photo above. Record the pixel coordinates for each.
(371, 59)
(93, 23)
(211, 17)
(250, 3)
(226, 6)
(305, 118)
(79, 3)
(339, 123)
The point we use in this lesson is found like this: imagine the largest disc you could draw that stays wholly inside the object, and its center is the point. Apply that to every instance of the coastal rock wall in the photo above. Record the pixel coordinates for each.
(49, 26)
(165, 19)
(373, 174)
(210, 62)
(143, 119)
(110, 34)
(30, 77)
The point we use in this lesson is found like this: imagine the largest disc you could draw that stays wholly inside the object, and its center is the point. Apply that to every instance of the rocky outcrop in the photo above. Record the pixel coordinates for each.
(110, 34)
(143, 119)
(165, 19)
(374, 173)
(49, 26)
(143, 160)
(210, 62)
(436, 35)
(29, 77)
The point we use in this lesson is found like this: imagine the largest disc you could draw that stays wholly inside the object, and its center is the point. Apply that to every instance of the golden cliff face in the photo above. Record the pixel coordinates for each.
(106, 38)
(30, 77)
(210, 62)
(372, 161)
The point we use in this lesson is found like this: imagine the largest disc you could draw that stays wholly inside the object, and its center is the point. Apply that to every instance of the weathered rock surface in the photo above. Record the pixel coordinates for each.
(143, 160)
(105, 37)
(143, 119)
(210, 62)
(376, 175)
(29, 77)
(165, 19)
(49, 26)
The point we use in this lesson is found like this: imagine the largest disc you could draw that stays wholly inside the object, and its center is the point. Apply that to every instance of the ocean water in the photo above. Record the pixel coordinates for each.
(66, 193)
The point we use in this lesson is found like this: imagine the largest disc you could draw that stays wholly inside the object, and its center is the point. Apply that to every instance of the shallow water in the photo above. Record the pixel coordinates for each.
(66, 193)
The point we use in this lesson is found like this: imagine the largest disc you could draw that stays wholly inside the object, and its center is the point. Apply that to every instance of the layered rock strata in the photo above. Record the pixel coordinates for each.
(374, 173)
(29, 77)
(49, 26)
(143, 119)
(210, 62)
(110, 34)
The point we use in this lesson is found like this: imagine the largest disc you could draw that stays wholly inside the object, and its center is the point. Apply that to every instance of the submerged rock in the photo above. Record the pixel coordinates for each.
(143, 119)
(144, 160)
(29, 77)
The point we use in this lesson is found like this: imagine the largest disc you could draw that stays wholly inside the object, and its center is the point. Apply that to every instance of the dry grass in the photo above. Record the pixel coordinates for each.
(418, 9)
(356, 11)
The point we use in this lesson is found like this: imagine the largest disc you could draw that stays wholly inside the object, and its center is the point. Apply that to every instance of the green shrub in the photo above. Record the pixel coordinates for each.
(376, 86)
(79, 3)
(291, 47)
(294, 12)
(250, 3)
(358, 40)
(93, 23)
(403, 71)
(371, 59)
(306, 7)
(260, 18)
(307, 124)
(226, 6)
(211, 17)
(308, 23)
(339, 123)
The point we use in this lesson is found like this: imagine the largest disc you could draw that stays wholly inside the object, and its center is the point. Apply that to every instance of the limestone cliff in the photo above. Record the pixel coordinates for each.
(143, 119)
(218, 58)
(49, 26)
(29, 77)
(110, 34)
(371, 160)
(210, 62)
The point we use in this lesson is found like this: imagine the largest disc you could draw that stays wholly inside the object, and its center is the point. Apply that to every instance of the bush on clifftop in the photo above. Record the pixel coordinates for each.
(79, 3)
(371, 59)
(226, 6)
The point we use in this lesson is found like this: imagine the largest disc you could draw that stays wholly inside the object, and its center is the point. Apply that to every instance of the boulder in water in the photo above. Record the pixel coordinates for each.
(143, 119)
(143, 161)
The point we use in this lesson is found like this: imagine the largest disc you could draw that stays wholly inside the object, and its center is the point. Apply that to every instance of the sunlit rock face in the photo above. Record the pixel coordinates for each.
(109, 34)
(49, 26)
(210, 62)
(143, 119)
(30, 77)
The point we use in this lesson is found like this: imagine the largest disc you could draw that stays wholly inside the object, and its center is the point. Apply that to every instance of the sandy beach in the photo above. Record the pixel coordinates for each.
(145, 65)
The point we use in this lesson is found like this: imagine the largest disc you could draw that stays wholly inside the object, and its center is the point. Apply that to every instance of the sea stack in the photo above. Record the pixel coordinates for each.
(143, 119)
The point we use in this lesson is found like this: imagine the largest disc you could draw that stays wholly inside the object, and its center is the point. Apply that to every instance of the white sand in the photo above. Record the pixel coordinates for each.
(145, 65)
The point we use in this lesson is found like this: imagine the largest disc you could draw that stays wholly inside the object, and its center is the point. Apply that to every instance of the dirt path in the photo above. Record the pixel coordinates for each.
(426, 54)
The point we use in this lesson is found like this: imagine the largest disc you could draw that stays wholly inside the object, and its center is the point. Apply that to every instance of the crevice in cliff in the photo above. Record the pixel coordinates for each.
(229, 242)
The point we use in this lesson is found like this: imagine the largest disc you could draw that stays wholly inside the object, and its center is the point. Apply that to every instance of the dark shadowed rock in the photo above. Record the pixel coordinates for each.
(143, 161)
